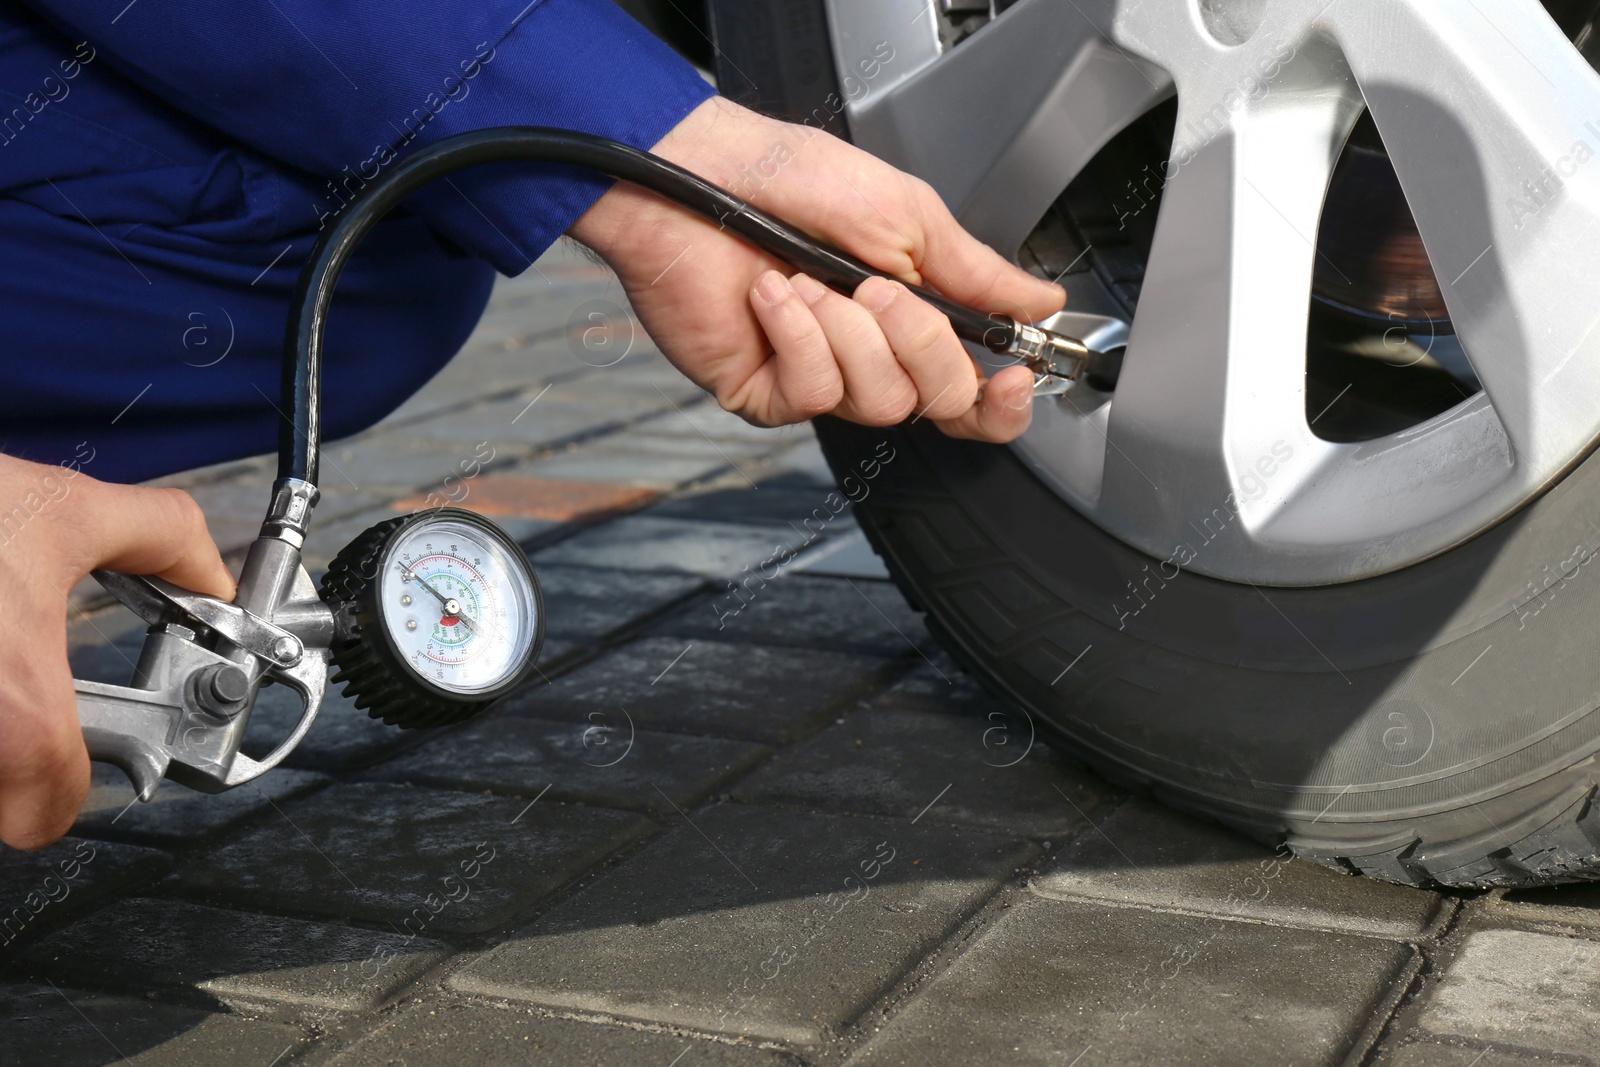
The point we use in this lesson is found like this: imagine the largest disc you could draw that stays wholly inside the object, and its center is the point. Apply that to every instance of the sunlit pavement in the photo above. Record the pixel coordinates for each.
(761, 823)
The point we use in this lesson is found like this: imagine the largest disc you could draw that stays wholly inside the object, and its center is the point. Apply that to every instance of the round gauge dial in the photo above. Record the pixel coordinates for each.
(447, 616)
(458, 606)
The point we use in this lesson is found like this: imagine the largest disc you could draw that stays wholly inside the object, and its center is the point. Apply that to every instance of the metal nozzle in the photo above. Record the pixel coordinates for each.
(1053, 354)
(1058, 362)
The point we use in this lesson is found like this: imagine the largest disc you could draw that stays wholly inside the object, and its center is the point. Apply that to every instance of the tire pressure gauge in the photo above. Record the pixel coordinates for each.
(427, 618)
(441, 614)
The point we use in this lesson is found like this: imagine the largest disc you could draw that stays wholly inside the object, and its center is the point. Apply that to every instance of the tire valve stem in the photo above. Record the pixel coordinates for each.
(1057, 361)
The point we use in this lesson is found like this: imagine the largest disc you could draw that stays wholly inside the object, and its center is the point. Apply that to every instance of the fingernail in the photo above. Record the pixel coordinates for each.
(772, 288)
(809, 288)
(877, 293)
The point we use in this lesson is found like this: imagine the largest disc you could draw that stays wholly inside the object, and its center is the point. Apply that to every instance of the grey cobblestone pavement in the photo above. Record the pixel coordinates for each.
(791, 833)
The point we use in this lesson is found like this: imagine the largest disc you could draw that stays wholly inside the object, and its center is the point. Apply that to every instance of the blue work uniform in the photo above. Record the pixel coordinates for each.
(166, 166)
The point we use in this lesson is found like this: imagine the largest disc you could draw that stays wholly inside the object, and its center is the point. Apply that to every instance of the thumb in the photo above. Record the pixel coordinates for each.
(152, 531)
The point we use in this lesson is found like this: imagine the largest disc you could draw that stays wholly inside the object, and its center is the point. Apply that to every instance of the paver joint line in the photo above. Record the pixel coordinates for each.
(702, 833)
(1096, 827)
(702, 433)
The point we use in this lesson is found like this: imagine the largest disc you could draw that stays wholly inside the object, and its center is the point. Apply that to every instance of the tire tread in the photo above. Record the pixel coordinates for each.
(1547, 841)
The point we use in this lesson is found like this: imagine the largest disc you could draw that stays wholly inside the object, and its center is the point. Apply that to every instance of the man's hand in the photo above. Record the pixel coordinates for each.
(779, 349)
(56, 525)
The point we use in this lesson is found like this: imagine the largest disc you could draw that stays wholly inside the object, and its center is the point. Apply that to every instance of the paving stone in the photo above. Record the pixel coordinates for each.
(706, 419)
(1536, 991)
(595, 759)
(737, 502)
(847, 556)
(744, 691)
(1569, 905)
(457, 384)
(554, 652)
(527, 342)
(510, 497)
(43, 888)
(586, 603)
(938, 685)
(247, 961)
(796, 609)
(400, 459)
(534, 418)
(328, 539)
(461, 383)
(802, 465)
(633, 389)
(447, 1034)
(644, 542)
(1052, 980)
(643, 377)
(1145, 854)
(752, 922)
(262, 466)
(343, 736)
(1427, 1054)
(177, 815)
(934, 767)
(70, 1028)
(659, 462)
(378, 852)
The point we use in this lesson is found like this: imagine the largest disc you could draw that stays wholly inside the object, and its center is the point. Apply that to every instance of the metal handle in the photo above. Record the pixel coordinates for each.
(117, 721)
(184, 715)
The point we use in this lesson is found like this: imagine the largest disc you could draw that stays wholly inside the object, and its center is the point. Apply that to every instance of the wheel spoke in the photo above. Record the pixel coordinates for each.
(1003, 122)
(1482, 106)
(1213, 393)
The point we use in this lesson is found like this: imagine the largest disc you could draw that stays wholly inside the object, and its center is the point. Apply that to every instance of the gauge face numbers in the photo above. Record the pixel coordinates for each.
(458, 606)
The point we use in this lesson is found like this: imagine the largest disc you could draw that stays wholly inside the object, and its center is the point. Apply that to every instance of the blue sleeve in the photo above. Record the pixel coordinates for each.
(341, 88)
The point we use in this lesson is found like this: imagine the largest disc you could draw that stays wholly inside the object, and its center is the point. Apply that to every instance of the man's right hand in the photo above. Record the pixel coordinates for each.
(778, 347)
(56, 525)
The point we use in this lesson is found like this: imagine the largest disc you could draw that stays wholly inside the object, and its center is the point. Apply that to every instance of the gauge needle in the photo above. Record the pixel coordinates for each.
(451, 605)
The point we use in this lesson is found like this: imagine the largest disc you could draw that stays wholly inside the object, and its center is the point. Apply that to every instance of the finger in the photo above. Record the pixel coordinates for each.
(44, 770)
(801, 380)
(877, 390)
(1002, 415)
(925, 345)
(153, 531)
(967, 270)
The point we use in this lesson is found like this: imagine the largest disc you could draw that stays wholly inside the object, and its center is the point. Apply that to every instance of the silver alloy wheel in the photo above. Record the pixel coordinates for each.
(1203, 456)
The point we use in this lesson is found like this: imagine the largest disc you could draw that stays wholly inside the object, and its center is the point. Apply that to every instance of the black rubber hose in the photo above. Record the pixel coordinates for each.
(299, 438)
